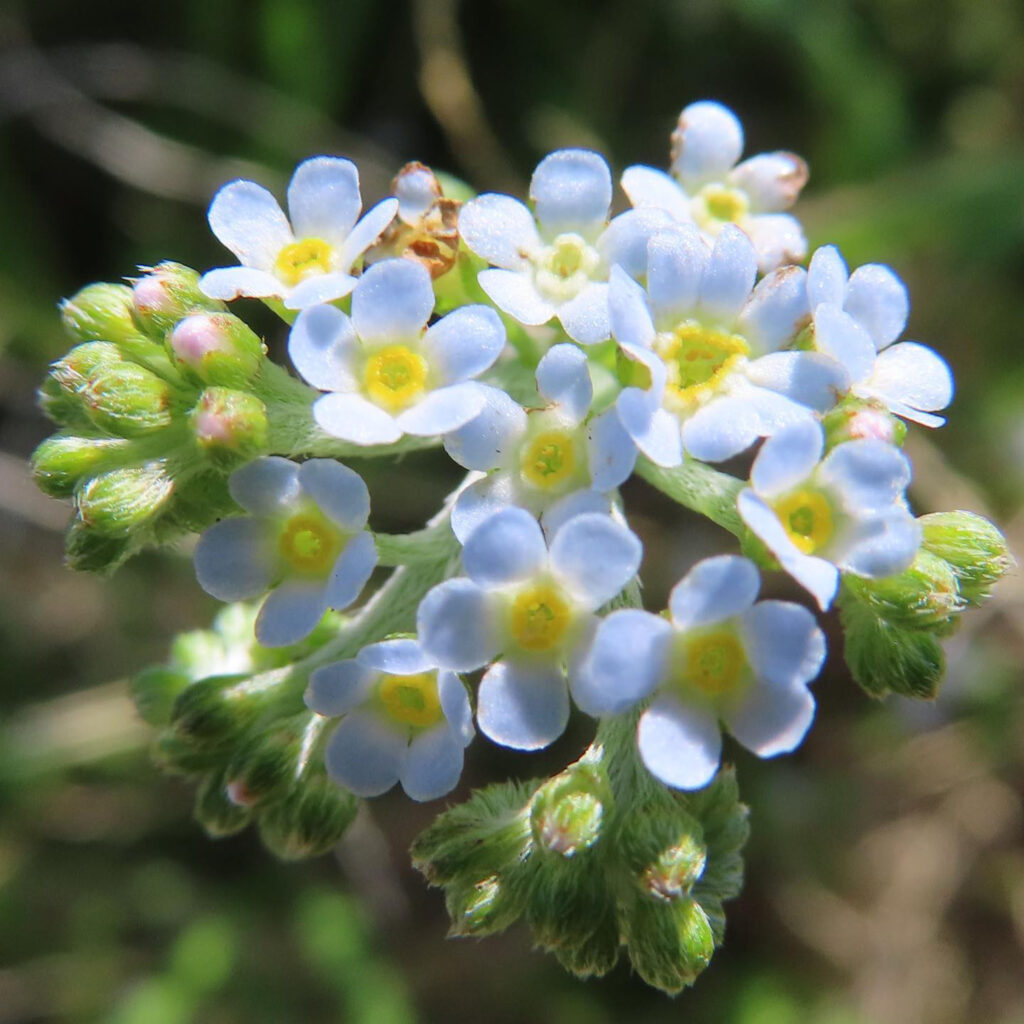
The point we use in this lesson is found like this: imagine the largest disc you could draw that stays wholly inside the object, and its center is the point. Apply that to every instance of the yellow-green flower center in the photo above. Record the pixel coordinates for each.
(309, 543)
(411, 700)
(540, 616)
(721, 204)
(303, 259)
(549, 459)
(395, 376)
(712, 661)
(808, 518)
(564, 267)
(698, 359)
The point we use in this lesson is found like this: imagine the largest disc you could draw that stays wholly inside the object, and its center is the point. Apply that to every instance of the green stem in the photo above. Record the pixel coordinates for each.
(699, 487)
(423, 546)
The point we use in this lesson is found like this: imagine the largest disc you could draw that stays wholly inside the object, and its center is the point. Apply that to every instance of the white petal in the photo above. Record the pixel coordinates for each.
(515, 294)
(500, 229)
(775, 412)
(401, 657)
(629, 314)
(522, 707)
(819, 577)
(392, 302)
(456, 625)
(772, 181)
(351, 571)
(777, 238)
(840, 336)
(290, 613)
(706, 143)
(624, 242)
(338, 491)
(810, 378)
(680, 745)
(585, 318)
(777, 309)
(654, 430)
(455, 705)
(234, 559)
(826, 277)
(914, 375)
(563, 379)
(366, 232)
(568, 507)
(365, 754)
(323, 347)
(627, 661)
(881, 545)
(464, 343)
(487, 440)
(869, 474)
(474, 505)
(337, 688)
(572, 190)
(353, 418)
(508, 548)
(323, 198)
(319, 289)
(229, 283)
(715, 589)
(612, 453)
(770, 720)
(266, 487)
(729, 275)
(721, 429)
(787, 458)
(926, 419)
(443, 410)
(783, 642)
(878, 299)
(594, 579)
(646, 186)
(432, 765)
(676, 262)
(246, 218)
(416, 189)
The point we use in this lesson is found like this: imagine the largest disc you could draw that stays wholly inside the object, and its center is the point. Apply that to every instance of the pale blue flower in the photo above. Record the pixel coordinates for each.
(718, 657)
(305, 537)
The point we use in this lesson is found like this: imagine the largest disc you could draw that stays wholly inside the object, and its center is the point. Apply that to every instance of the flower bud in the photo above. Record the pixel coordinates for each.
(484, 907)
(676, 869)
(855, 419)
(308, 820)
(568, 900)
(101, 312)
(567, 812)
(216, 812)
(973, 547)
(670, 942)
(86, 550)
(166, 293)
(178, 756)
(62, 461)
(230, 426)
(61, 393)
(213, 712)
(199, 501)
(217, 348)
(154, 691)
(127, 400)
(120, 501)
(266, 763)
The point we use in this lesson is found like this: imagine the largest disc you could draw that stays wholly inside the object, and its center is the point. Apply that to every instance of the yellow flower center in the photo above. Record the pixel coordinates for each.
(395, 376)
(309, 543)
(540, 617)
(303, 259)
(549, 459)
(807, 517)
(698, 359)
(721, 203)
(565, 266)
(713, 662)
(411, 700)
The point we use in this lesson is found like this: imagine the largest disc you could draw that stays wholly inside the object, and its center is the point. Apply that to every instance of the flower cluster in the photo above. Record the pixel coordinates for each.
(553, 351)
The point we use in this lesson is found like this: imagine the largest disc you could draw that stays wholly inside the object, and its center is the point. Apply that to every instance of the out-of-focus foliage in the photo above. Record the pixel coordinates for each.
(886, 869)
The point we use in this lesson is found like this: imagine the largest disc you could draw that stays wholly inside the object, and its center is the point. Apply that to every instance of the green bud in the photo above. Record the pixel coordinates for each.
(155, 690)
(102, 312)
(178, 756)
(165, 294)
(857, 419)
(60, 395)
(217, 348)
(62, 461)
(973, 547)
(266, 762)
(127, 400)
(675, 870)
(567, 812)
(308, 820)
(596, 954)
(485, 907)
(568, 900)
(922, 596)
(215, 711)
(87, 550)
(669, 943)
(122, 500)
(230, 426)
(214, 809)
(199, 501)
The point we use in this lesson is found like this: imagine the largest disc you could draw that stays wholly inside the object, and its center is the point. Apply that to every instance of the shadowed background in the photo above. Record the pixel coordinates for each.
(886, 869)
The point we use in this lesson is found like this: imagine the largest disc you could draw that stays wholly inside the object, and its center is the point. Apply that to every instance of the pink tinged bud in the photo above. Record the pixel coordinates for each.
(229, 425)
(196, 337)
(152, 295)
(872, 424)
(167, 293)
(217, 348)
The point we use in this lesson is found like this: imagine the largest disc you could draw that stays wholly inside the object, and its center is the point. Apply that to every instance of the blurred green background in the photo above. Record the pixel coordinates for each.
(886, 869)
